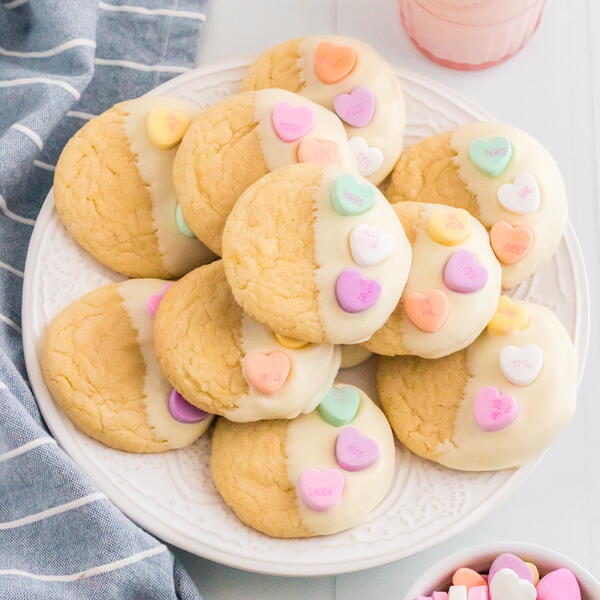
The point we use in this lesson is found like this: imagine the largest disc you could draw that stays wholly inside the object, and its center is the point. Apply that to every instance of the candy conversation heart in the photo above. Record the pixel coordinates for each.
(288, 342)
(181, 410)
(319, 150)
(506, 585)
(511, 243)
(166, 127)
(479, 593)
(333, 62)
(321, 490)
(354, 451)
(522, 196)
(340, 405)
(427, 311)
(521, 366)
(154, 301)
(508, 317)
(449, 227)
(558, 585)
(512, 562)
(354, 293)
(457, 592)
(467, 577)
(368, 158)
(292, 122)
(490, 155)
(357, 107)
(494, 411)
(350, 197)
(266, 372)
(181, 223)
(369, 246)
(463, 274)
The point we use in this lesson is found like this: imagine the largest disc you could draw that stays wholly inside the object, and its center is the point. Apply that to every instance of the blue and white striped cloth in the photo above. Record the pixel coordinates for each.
(61, 62)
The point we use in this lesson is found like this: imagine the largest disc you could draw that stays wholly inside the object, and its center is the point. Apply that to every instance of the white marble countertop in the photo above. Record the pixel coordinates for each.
(552, 90)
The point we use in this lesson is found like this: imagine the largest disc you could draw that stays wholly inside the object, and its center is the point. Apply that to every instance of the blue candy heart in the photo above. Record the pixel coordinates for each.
(490, 155)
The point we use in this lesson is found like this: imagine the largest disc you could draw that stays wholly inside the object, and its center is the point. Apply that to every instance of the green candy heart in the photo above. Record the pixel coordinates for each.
(340, 405)
(351, 198)
(183, 227)
(490, 155)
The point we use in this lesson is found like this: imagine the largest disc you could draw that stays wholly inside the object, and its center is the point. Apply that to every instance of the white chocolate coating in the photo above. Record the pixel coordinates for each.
(545, 406)
(528, 156)
(135, 294)
(331, 232)
(180, 254)
(311, 445)
(386, 129)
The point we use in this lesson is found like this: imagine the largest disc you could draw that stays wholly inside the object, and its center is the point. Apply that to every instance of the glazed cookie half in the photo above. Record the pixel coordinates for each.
(348, 77)
(503, 177)
(238, 140)
(226, 363)
(497, 404)
(114, 193)
(99, 365)
(317, 253)
(317, 474)
(453, 287)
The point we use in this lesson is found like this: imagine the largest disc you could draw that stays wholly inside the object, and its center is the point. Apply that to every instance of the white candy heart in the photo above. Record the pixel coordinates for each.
(368, 158)
(521, 366)
(457, 592)
(369, 246)
(522, 196)
(506, 585)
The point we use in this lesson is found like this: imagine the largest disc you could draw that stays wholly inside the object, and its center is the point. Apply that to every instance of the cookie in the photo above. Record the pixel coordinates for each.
(353, 355)
(313, 475)
(226, 363)
(349, 78)
(241, 138)
(99, 366)
(114, 193)
(452, 289)
(497, 404)
(503, 177)
(316, 253)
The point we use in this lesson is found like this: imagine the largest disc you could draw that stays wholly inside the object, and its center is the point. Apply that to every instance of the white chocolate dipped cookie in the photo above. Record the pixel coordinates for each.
(317, 474)
(498, 404)
(503, 177)
(348, 77)
(114, 193)
(453, 287)
(226, 363)
(316, 253)
(99, 365)
(241, 138)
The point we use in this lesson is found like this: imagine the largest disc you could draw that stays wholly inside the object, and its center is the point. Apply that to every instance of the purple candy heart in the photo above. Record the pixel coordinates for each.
(463, 273)
(355, 293)
(355, 451)
(181, 410)
(512, 562)
(357, 107)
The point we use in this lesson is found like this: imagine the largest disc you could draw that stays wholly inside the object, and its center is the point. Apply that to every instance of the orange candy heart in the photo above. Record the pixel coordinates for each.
(511, 243)
(318, 150)
(427, 311)
(467, 577)
(333, 62)
(266, 373)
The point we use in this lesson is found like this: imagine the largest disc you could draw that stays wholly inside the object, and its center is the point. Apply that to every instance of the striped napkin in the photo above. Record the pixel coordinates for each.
(61, 63)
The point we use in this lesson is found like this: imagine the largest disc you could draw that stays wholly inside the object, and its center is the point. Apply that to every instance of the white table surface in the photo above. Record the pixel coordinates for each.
(552, 90)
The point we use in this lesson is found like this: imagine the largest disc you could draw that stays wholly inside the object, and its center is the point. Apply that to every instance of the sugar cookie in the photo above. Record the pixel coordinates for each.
(99, 365)
(348, 77)
(353, 355)
(317, 253)
(495, 405)
(307, 476)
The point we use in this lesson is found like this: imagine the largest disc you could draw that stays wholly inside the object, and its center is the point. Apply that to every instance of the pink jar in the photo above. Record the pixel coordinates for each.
(470, 34)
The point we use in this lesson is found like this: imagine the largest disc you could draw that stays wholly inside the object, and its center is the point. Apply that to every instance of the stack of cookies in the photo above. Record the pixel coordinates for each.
(263, 258)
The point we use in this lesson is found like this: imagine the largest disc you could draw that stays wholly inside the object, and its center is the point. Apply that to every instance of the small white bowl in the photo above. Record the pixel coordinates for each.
(480, 557)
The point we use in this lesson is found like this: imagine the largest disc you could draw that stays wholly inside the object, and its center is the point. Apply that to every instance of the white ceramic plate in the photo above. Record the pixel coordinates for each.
(172, 495)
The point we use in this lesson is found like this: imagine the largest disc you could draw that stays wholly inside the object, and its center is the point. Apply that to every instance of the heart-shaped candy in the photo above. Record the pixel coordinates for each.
(463, 274)
(181, 410)
(427, 311)
(321, 490)
(490, 155)
(512, 562)
(507, 585)
(349, 197)
(449, 227)
(467, 577)
(440, 595)
(354, 451)
(181, 223)
(289, 342)
(340, 405)
(368, 158)
(266, 373)
(510, 243)
(319, 150)
(494, 411)
(368, 246)
(559, 585)
(457, 592)
(333, 62)
(522, 196)
(154, 301)
(521, 366)
(534, 571)
(165, 127)
(508, 316)
(292, 122)
(479, 593)
(354, 293)
(357, 107)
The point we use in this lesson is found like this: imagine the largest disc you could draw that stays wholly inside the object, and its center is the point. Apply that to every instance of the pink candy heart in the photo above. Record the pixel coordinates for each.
(558, 585)
(493, 412)
(321, 490)
(357, 107)
(154, 301)
(354, 451)
(509, 561)
(292, 122)
(463, 274)
(354, 293)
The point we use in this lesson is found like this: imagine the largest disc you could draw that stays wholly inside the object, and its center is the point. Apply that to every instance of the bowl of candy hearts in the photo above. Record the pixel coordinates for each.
(505, 571)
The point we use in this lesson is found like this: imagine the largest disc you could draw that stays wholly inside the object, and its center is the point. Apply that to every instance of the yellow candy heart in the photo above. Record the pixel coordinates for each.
(449, 227)
(534, 572)
(166, 127)
(508, 317)
(288, 342)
